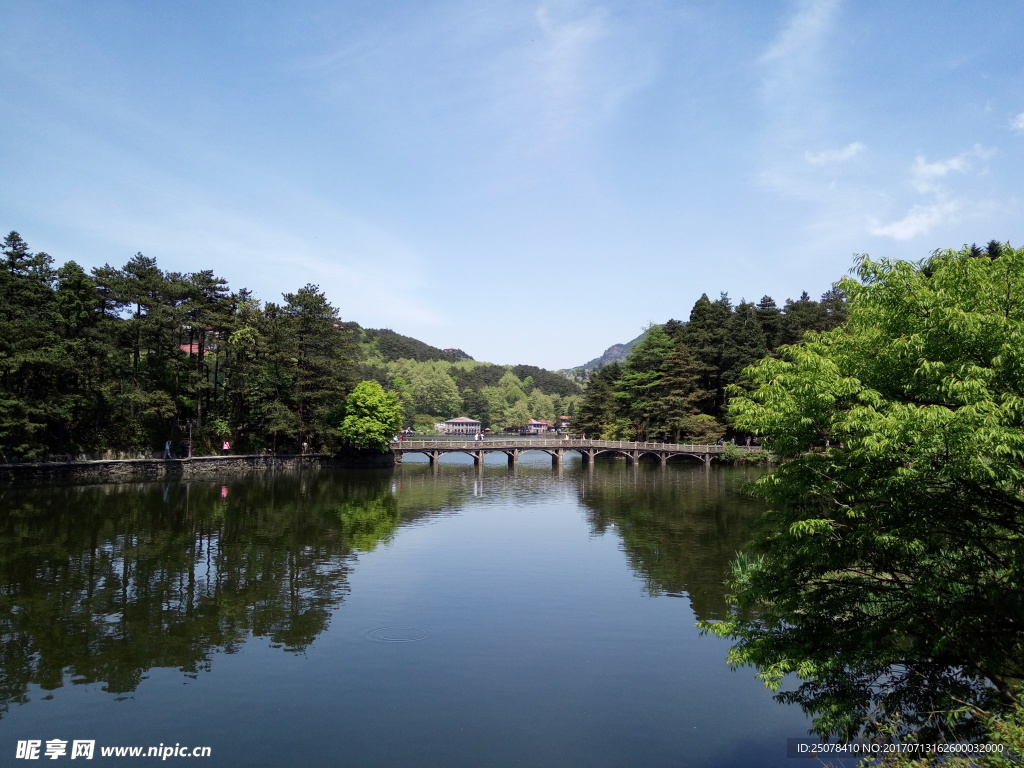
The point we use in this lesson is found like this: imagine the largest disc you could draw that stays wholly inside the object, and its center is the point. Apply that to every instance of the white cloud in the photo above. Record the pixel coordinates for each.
(934, 179)
(1018, 122)
(794, 56)
(920, 220)
(924, 176)
(835, 155)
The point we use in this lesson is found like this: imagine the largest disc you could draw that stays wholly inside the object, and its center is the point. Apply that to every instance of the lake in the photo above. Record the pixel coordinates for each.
(424, 616)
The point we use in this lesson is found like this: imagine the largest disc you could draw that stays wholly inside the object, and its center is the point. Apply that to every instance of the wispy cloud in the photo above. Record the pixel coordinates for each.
(925, 176)
(499, 78)
(829, 156)
(797, 102)
(932, 178)
(1018, 122)
(581, 65)
(792, 62)
(920, 220)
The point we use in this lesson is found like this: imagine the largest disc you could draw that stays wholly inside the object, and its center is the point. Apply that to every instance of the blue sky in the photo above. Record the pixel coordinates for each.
(529, 181)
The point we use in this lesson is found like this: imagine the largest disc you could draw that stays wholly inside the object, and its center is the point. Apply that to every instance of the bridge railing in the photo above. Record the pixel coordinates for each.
(506, 444)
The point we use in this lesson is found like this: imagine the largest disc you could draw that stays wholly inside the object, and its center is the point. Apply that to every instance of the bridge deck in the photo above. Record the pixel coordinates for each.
(415, 446)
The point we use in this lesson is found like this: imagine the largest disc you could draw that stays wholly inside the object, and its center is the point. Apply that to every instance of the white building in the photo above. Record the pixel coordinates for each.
(460, 425)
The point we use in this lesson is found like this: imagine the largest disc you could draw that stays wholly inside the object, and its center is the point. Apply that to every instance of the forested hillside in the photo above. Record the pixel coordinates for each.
(614, 354)
(394, 346)
(126, 359)
(672, 386)
(500, 397)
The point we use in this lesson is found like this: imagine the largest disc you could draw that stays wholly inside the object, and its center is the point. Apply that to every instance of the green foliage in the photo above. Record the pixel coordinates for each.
(128, 358)
(372, 417)
(599, 411)
(672, 386)
(367, 519)
(1002, 739)
(496, 395)
(890, 575)
(323, 359)
(391, 346)
(434, 391)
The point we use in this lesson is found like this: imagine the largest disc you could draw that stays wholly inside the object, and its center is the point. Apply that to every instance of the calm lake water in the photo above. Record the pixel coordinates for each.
(378, 618)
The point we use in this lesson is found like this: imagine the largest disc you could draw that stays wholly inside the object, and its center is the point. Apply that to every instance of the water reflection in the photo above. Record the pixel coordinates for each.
(680, 527)
(101, 584)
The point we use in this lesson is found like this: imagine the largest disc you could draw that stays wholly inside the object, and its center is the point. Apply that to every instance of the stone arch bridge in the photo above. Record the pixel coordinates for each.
(557, 448)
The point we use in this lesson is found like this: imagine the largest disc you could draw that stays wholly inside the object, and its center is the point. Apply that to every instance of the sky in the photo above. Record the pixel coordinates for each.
(529, 181)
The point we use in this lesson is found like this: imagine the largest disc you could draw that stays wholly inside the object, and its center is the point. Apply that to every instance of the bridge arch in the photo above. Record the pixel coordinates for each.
(685, 458)
(557, 448)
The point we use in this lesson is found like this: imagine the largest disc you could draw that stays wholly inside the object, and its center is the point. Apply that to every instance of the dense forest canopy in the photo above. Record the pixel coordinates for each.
(890, 573)
(122, 360)
(672, 386)
(127, 359)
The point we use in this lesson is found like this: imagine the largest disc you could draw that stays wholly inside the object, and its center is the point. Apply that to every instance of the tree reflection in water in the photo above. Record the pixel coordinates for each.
(102, 583)
(99, 584)
(680, 528)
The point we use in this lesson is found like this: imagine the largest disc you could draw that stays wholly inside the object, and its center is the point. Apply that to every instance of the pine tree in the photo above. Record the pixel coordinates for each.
(745, 343)
(705, 335)
(833, 304)
(28, 336)
(599, 409)
(801, 316)
(639, 386)
(770, 318)
(323, 361)
(679, 397)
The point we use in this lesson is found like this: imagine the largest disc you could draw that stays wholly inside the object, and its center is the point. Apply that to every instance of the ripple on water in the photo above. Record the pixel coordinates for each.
(398, 634)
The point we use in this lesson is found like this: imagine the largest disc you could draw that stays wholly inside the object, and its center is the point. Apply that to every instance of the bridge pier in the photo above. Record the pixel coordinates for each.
(588, 450)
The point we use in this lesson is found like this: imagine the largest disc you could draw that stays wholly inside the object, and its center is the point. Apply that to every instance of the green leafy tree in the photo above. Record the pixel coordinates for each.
(599, 410)
(542, 406)
(890, 576)
(497, 407)
(434, 391)
(476, 406)
(372, 417)
(403, 390)
(512, 387)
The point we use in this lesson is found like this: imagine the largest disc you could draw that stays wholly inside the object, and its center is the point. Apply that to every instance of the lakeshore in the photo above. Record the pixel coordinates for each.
(92, 472)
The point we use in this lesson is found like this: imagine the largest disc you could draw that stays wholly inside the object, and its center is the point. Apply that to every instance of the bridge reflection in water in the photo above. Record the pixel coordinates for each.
(557, 448)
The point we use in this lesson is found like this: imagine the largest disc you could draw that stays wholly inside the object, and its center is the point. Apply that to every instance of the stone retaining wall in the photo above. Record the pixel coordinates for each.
(117, 471)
